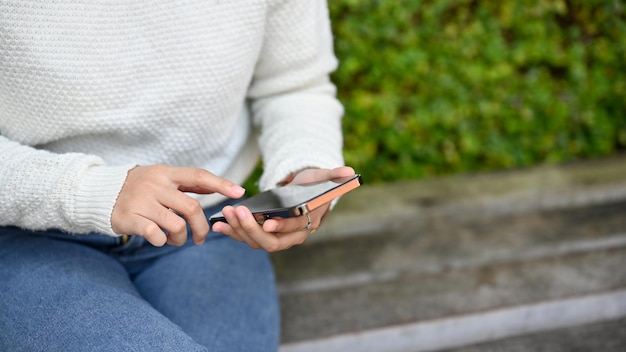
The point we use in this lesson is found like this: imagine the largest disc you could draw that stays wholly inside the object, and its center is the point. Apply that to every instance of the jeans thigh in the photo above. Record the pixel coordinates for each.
(64, 296)
(222, 293)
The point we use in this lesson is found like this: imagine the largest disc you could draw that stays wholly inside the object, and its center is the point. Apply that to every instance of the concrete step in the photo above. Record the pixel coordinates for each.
(608, 336)
(500, 325)
(455, 253)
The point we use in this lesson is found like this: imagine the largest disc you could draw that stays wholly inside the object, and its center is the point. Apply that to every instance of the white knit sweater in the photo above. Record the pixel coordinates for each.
(91, 88)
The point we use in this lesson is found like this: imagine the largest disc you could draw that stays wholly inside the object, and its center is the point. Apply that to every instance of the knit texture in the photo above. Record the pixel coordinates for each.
(90, 89)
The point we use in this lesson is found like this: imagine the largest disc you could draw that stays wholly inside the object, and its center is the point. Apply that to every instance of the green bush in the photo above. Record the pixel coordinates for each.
(435, 87)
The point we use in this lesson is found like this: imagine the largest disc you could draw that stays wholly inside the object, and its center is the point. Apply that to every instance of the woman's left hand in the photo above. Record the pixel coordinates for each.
(279, 234)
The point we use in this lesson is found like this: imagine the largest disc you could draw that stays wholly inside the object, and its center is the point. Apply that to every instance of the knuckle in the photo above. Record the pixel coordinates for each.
(249, 226)
(191, 206)
(195, 174)
(179, 225)
(153, 234)
(201, 229)
(201, 173)
(200, 176)
(159, 168)
(150, 229)
(273, 247)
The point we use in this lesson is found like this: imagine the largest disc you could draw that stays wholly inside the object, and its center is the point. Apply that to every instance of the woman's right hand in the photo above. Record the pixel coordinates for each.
(152, 198)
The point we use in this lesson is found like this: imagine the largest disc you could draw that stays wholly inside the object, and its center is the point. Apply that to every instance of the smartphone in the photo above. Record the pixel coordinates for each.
(294, 199)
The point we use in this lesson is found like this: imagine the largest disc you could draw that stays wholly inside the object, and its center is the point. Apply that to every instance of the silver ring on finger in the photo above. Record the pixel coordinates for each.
(309, 224)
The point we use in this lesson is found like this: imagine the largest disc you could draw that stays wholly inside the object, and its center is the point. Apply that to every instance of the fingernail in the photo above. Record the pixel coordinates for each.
(238, 190)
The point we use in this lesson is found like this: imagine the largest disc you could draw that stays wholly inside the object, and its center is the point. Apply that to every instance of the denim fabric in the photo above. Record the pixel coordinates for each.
(90, 293)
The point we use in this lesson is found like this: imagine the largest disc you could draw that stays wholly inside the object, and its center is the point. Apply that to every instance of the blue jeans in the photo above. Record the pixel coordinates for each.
(61, 292)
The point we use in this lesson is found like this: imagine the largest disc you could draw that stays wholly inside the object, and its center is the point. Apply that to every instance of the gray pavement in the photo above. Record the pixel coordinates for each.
(398, 260)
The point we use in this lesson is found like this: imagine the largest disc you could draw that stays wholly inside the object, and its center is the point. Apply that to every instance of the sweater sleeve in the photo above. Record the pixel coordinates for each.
(292, 98)
(42, 190)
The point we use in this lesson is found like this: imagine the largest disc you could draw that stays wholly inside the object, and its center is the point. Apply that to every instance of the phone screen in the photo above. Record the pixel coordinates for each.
(286, 201)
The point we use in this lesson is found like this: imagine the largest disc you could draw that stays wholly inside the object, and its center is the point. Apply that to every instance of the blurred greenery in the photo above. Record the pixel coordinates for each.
(434, 87)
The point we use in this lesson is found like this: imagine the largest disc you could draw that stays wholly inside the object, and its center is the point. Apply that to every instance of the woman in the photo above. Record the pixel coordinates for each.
(122, 125)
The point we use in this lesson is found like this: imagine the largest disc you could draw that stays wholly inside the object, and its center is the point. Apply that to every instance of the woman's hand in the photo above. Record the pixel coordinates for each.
(279, 234)
(152, 197)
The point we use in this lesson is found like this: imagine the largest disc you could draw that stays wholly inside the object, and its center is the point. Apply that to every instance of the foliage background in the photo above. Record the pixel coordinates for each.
(434, 87)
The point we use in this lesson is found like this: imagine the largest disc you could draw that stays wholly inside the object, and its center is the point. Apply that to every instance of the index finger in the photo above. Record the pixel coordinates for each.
(202, 181)
(316, 175)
